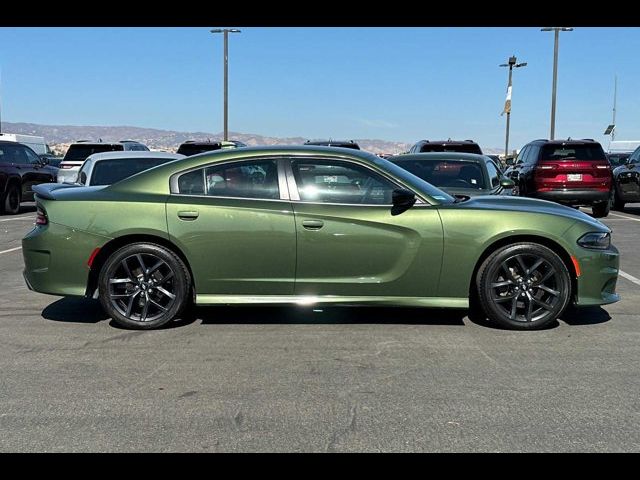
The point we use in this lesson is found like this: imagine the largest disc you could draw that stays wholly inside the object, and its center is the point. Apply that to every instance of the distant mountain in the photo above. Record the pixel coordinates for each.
(169, 139)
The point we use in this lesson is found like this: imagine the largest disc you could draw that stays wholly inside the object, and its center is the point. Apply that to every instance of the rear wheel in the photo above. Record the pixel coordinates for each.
(601, 209)
(144, 286)
(11, 200)
(523, 286)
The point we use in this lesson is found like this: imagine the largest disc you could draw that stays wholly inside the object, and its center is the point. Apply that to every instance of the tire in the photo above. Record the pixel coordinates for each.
(618, 203)
(11, 200)
(157, 292)
(601, 209)
(510, 292)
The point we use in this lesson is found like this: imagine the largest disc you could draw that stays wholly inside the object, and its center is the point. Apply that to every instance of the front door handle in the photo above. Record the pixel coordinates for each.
(313, 224)
(188, 215)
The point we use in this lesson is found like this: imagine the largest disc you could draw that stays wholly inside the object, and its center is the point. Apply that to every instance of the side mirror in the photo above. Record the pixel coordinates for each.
(44, 161)
(507, 183)
(402, 200)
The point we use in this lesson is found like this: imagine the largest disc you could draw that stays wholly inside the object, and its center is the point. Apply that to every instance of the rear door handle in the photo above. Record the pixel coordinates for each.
(313, 224)
(188, 215)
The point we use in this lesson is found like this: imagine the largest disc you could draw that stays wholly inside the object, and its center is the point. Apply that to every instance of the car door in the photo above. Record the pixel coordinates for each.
(235, 224)
(35, 173)
(348, 241)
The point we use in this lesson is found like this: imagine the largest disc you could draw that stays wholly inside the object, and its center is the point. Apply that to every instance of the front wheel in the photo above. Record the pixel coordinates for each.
(524, 286)
(11, 200)
(143, 286)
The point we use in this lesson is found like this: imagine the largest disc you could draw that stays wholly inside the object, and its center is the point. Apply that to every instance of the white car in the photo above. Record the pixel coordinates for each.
(111, 167)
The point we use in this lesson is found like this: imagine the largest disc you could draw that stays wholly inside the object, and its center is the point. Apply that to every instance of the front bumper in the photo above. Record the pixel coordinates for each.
(599, 274)
(573, 197)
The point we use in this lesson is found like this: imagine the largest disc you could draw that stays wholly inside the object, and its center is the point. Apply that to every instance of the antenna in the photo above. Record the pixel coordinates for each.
(615, 95)
(0, 100)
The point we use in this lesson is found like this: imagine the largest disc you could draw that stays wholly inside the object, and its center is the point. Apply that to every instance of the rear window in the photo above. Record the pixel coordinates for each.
(451, 147)
(80, 152)
(590, 151)
(107, 172)
(189, 149)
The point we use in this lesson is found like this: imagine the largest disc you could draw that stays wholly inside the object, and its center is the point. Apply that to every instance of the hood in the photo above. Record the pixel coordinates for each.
(528, 205)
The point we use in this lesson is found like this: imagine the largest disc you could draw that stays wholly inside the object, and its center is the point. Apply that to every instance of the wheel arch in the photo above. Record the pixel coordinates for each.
(544, 241)
(107, 249)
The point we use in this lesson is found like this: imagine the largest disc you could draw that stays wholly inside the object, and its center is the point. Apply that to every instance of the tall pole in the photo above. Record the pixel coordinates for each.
(512, 63)
(226, 84)
(615, 94)
(506, 142)
(556, 31)
(555, 84)
(225, 32)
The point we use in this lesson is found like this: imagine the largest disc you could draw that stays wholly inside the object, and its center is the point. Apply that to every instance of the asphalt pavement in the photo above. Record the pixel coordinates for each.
(247, 379)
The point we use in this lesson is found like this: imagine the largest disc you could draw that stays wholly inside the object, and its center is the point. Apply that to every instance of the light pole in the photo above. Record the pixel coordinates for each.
(512, 63)
(556, 31)
(226, 32)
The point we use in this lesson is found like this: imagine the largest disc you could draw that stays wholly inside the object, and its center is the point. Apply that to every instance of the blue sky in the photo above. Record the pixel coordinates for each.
(399, 84)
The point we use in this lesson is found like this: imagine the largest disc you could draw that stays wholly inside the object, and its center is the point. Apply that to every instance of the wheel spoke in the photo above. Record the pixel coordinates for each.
(126, 268)
(130, 305)
(507, 270)
(123, 295)
(539, 262)
(155, 267)
(145, 309)
(546, 276)
(553, 292)
(166, 292)
(120, 280)
(506, 298)
(503, 283)
(514, 306)
(523, 267)
(529, 308)
(542, 304)
(141, 262)
(164, 309)
(165, 278)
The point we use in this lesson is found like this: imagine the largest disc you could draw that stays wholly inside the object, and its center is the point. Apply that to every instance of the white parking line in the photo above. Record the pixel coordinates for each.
(17, 218)
(631, 278)
(624, 216)
(10, 250)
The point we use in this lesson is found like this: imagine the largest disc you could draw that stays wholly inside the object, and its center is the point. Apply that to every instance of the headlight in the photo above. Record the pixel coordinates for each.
(596, 240)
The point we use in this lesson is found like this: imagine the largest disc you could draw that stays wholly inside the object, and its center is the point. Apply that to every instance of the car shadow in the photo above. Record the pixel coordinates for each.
(75, 310)
(82, 310)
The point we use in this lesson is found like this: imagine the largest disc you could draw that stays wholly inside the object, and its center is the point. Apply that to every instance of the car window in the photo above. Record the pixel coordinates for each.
(573, 152)
(250, 179)
(521, 156)
(79, 152)
(335, 181)
(10, 153)
(32, 158)
(494, 174)
(108, 172)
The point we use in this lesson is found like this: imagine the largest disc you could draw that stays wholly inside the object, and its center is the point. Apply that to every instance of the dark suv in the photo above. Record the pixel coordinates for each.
(572, 172)
(194, 147)
(79, 151)
(20, 169)
(460, 146)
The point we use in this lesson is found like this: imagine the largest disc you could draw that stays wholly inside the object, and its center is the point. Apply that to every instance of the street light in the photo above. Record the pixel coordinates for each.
(507, 108)
(226, 32)
(557, 31)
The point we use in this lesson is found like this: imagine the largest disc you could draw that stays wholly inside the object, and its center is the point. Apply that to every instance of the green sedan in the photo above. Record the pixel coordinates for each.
(311, 225)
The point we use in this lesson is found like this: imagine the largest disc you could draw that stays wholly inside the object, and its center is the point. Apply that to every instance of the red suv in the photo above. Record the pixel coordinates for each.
(572, 172)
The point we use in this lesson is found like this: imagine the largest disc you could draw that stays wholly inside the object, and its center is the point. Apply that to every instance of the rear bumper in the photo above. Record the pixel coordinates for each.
(573, 196)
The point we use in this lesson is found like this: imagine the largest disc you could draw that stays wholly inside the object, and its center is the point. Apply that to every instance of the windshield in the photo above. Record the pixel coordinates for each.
(80, 152)
(108, 172)
(413, 181)
(448, 173)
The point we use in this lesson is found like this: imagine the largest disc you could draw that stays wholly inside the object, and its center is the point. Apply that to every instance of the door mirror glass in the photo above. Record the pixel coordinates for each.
(510, 161)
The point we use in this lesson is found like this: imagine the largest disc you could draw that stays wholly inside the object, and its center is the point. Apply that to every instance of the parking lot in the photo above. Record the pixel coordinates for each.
(298, 379)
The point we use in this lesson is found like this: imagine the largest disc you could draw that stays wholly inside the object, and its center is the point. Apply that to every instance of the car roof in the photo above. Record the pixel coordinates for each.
(329, 142)
(449, 156)
(568, 141)
(96, 157)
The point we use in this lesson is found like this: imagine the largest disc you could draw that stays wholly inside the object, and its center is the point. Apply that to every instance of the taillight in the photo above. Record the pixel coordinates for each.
(41, 216)
(546, 166)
